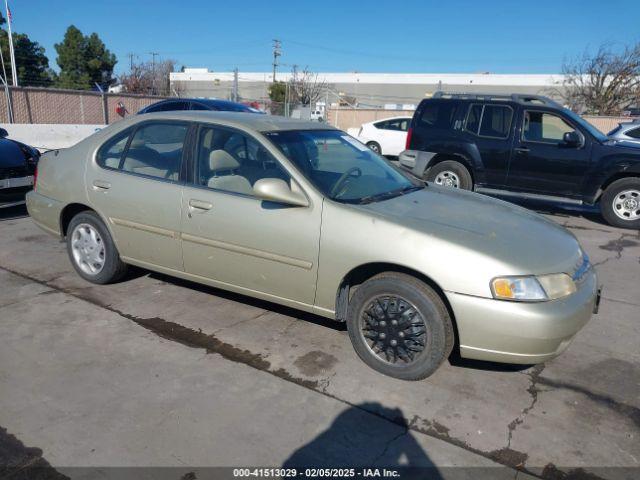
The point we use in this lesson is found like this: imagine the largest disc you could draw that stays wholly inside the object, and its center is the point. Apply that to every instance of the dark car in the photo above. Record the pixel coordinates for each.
(523, 146)
(176, 104)
(17, 168)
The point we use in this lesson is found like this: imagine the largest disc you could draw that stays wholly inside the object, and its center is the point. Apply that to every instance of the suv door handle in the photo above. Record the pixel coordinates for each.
(101, 185)
(522, 150)
(198, 206)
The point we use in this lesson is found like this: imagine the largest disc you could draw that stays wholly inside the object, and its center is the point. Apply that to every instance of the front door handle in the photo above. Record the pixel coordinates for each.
(101, 185)
(522, 150)
(198, 206)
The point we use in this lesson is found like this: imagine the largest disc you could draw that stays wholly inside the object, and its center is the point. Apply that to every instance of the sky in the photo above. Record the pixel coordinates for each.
(341, 36)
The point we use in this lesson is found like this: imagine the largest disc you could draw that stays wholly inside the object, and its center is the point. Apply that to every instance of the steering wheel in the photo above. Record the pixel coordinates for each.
(343, 178)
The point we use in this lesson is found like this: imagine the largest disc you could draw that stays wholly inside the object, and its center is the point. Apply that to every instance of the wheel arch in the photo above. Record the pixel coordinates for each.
(614, 178)
(71, 210)
(362, 273)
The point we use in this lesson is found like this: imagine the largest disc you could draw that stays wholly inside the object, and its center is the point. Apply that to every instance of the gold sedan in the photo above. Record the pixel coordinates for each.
(301, 214)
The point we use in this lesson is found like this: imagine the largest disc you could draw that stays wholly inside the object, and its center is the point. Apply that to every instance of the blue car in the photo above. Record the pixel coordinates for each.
(177, 104)
(17, 169)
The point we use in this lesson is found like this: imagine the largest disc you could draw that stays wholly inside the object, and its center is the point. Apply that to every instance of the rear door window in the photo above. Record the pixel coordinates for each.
(492, 121)
(156, 150)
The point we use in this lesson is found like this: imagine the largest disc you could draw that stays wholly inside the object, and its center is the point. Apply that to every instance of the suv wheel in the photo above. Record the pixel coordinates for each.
(375, 146)
(399, 326)
(92, 251)
(620, 203)
(450, 174)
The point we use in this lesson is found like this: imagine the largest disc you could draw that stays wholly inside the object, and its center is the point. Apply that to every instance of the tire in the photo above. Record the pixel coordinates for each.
(87, 250)
(397, 292)
(375, 146)
(451, 174)
(620, 203)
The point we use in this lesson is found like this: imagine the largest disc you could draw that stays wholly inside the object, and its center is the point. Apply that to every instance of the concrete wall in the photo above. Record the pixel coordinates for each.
(49, 136)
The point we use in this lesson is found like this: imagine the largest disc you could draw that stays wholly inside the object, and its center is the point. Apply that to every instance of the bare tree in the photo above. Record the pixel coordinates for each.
(304, 86)
(603, 83)
(149, 78)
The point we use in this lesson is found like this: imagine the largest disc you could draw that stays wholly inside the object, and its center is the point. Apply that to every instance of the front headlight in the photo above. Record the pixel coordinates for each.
(533, 288)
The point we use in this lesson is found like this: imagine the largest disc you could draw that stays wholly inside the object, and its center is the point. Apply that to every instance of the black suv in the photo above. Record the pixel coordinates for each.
(524, 146)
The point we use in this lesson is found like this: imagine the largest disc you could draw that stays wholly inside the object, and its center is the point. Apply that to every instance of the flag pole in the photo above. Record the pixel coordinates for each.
(14, 74)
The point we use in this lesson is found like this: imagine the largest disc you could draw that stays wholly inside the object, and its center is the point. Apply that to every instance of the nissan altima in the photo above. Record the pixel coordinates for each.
(301, 214)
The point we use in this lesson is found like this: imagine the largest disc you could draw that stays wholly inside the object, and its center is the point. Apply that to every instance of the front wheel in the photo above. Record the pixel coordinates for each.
(92, 251)
(620, 203)
(450, 174)
(399, 326)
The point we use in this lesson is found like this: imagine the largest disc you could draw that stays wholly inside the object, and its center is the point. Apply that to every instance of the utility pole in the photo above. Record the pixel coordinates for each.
(153, 71)
(277, 46)
(14, 73)
(131, 55)
(235, 84)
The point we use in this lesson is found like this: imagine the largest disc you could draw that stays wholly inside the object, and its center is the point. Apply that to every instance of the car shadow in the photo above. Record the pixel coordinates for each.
(354, 440)
(254, 302)
(13, 213)
(591, 213)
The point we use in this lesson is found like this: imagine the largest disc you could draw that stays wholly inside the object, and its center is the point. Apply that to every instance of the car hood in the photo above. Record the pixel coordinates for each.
(522, 241)
(629, 145)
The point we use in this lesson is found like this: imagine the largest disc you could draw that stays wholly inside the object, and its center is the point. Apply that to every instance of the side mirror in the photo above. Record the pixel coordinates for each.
(277, 190)
(572, 139)
(3, 133)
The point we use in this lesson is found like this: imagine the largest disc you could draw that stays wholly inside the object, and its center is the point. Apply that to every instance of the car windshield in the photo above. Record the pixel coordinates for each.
(601, 137)
(341, 167)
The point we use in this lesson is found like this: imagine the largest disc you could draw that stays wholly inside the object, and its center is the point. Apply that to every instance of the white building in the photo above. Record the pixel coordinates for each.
(368, 89)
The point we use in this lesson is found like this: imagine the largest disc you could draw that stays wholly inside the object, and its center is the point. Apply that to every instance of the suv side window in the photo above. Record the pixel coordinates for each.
(156, 150)
(233, 162)
(493, 121)
(544, 127)
(437, 115)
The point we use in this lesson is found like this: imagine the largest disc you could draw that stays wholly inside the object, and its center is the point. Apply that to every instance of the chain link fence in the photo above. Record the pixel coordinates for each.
(56, 106)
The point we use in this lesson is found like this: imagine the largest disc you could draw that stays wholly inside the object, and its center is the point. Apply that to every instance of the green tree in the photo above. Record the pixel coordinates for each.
(277, 94)
(31, 62)
(84, 61)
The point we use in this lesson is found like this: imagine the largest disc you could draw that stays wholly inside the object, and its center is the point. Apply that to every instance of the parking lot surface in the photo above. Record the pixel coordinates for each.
(155, 371)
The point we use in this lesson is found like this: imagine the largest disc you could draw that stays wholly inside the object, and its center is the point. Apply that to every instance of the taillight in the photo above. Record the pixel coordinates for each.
(35, 177)
(409, 133)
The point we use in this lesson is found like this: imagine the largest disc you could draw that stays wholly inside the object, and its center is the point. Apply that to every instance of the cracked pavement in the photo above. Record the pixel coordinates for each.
(158, 371)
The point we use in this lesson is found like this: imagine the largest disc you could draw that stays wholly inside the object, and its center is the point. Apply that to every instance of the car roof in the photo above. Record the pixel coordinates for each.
(391, 118)
(252, 121)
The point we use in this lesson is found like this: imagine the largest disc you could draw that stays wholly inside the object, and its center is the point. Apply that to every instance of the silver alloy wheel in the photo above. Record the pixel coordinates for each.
(447, 179)
(88, 249)
(626, 205)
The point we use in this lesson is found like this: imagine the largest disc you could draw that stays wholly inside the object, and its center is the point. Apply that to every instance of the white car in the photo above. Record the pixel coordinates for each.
(386, 137)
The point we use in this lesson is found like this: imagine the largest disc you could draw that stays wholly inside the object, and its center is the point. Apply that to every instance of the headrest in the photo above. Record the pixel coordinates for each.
(137, 143)
(220, 160)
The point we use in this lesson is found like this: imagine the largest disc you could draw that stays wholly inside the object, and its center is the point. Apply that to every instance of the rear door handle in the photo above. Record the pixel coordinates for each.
(101, 185)
(522, 150)
(198, 206)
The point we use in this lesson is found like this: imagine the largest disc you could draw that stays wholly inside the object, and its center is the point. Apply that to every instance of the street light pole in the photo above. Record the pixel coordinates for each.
(14, 72)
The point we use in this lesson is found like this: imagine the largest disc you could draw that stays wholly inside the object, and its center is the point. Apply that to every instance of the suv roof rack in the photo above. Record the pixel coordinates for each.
(514, 97)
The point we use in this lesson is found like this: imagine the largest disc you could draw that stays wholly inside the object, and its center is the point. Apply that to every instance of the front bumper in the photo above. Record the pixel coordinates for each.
(522, 332)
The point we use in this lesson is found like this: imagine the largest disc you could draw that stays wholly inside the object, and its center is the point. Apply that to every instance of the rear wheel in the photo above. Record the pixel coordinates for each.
(92, 251)
(399, 326)
(375, 146)
(450, 174)
(620, 203)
